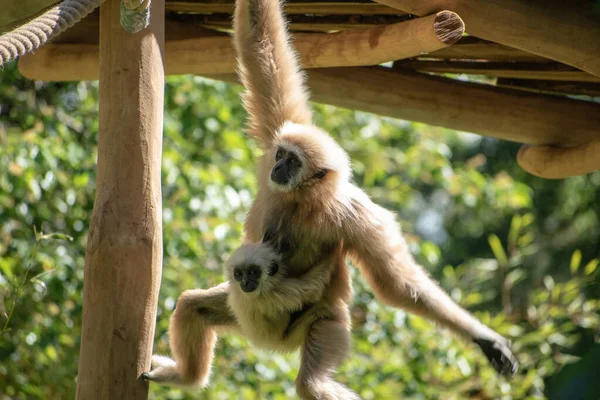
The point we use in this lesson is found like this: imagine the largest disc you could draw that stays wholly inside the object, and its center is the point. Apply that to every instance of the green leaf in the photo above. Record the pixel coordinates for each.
(515, 227)
(591, 267)
(575, 261)
(497, 248)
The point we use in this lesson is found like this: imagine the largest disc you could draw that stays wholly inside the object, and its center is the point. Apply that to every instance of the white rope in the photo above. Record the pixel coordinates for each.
(35, 33)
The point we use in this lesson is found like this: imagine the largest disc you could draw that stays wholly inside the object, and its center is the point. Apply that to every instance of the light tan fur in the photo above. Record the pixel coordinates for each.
(308, 216)
(308, 219)
(282, 314)
(265, 315)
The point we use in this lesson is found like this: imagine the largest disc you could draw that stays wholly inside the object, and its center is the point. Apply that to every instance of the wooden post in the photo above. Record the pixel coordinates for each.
(124, 253)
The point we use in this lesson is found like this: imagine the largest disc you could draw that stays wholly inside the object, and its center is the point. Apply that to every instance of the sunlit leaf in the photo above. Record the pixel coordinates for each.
(497, 249)
(591, 267)
(575, 261)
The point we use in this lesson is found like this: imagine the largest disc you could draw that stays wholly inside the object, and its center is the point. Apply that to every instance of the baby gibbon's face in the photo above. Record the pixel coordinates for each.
(248, 276)
(253, 267)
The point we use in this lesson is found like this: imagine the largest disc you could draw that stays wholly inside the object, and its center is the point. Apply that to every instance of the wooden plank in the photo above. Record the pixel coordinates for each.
(291, 7)
(316, 23)
(563, 87)
(124, 249)
(215, 54)
(554, 29)
(544, 71)
(472, 48)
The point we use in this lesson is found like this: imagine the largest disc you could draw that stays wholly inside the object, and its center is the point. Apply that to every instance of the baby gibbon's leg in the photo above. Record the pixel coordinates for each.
(324, 349)
(378, 247)
(192, 334)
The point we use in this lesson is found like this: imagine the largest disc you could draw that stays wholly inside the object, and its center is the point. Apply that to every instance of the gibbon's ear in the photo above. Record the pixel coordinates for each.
(273, 268)
(320, 174)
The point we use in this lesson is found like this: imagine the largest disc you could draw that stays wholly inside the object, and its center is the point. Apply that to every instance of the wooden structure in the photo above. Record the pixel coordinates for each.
(539, 63)
(536, 57)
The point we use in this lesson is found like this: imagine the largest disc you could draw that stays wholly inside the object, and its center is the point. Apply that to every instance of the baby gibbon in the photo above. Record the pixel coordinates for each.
(307, 209)
(275, 312)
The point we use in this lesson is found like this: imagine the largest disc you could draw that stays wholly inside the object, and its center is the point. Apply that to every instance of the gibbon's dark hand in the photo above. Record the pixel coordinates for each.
(500, 356)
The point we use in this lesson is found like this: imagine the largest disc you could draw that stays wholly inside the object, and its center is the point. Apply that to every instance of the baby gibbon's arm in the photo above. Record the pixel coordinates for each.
(293, 293)
(268, 68)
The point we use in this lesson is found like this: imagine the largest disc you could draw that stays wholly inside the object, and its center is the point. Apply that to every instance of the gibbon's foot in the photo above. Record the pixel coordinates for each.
(163, 369)
(499, 355)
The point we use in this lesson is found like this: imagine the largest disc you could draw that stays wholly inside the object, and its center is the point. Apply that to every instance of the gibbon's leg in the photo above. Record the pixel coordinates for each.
(378, 247)
(268, 68)
(324, 349)
(192, 334)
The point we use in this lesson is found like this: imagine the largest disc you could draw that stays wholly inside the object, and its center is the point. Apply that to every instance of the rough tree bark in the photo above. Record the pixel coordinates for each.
(124, 253)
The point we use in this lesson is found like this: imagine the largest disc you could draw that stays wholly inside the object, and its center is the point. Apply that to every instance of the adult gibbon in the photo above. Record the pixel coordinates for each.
(274, 311)
(306, 207)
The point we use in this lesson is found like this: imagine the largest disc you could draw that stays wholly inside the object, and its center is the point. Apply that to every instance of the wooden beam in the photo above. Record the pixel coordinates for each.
(552, 162)
(381, 44)
(472, 48)
(291, 7)
(484, 109)
(215, 54)
(544, 71)
(554, 29)
(17, 12)
(507, 114)
(301, 22)
(124, 251)
(562, 87)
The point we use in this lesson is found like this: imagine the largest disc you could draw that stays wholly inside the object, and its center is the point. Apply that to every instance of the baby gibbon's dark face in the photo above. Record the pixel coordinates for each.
(287, 165)
(248, 277)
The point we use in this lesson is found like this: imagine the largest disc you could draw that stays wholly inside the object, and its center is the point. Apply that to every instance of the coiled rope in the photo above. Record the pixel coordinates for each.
(32, 35)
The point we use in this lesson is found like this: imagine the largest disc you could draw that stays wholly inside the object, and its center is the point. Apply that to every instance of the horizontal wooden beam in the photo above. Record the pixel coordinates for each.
(484, 109)
(291, 7)
(502, 113)
(554, 29)
(544, 71)
(562, 87)
(472, 48)
(552, 162)
(299, 22)
(215, 54)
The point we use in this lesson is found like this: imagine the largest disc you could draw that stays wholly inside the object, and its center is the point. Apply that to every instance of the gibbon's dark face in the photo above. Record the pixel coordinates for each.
(249, 276)
(287, 165)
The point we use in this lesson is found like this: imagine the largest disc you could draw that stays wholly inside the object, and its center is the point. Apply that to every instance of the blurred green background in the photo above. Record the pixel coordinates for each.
(518, 251)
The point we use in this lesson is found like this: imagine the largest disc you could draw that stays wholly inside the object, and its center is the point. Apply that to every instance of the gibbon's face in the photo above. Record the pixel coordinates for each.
(249, 276)
(305, 156)
(289, 169)
(253, 267)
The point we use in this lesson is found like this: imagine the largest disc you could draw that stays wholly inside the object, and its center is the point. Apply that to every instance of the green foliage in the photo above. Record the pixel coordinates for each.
(519, 252)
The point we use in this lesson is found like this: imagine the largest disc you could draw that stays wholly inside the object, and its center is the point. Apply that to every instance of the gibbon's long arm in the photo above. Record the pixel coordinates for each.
(268, 68)
(376, 244)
